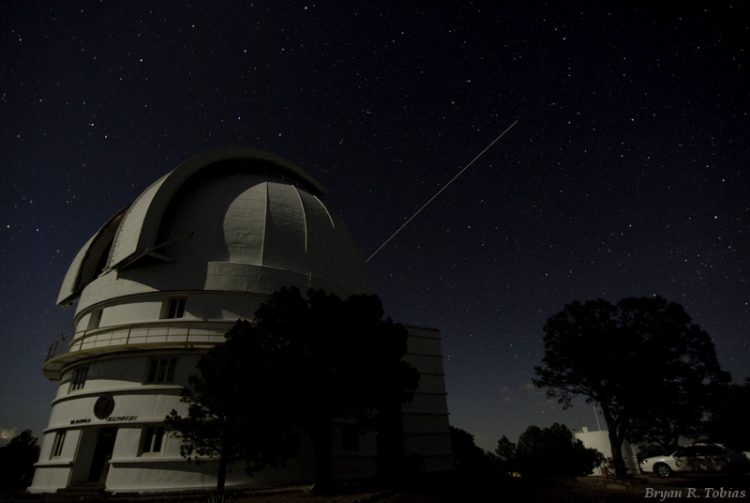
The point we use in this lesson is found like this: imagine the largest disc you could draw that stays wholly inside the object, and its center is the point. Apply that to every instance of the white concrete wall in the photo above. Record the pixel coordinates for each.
(50, 477)
(122, 373)
(425, 419)
(55, 472)
(599, 440)
(137, 405)
(199, 305)
(224, 240)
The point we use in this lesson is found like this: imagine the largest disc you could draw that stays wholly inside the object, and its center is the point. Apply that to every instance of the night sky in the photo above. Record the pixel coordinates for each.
(627, 173)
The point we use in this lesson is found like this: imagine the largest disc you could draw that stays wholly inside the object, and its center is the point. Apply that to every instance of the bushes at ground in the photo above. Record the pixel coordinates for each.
(547, 453)
(17, 461)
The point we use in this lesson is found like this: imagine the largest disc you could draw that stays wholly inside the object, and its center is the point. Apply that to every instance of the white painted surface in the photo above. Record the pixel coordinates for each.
(222, 236)
(599, 440)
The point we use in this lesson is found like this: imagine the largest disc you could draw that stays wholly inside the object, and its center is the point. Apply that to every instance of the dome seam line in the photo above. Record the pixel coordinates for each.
(265, 227)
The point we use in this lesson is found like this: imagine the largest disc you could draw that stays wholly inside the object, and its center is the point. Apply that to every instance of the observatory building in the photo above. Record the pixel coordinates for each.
(163, 280)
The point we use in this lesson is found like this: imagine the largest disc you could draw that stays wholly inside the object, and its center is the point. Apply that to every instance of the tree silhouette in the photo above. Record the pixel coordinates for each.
(648, 367)
(729, 420)
(341, 359)
(468, 458)
(234, 410)
(17, 460)
(303, 363)
(505, 449)
(551, 452)
(505, 456)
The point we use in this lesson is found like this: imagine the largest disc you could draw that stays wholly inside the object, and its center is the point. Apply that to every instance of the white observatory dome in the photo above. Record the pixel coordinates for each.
(162, 282)
(233, 219)
(205, 243)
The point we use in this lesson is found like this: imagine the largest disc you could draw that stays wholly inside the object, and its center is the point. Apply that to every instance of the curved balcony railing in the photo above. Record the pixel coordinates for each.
(141, 334)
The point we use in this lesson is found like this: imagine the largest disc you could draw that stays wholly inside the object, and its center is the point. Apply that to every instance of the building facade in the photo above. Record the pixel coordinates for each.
(162, 281)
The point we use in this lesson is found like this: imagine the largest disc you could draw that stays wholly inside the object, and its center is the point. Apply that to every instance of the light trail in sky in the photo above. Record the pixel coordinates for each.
(492, 143)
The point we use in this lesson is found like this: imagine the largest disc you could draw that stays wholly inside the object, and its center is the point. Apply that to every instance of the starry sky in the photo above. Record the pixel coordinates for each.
(627, 173)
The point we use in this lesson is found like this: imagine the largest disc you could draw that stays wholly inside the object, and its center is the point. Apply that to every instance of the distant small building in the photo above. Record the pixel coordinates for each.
(599, 440)
(161, 282)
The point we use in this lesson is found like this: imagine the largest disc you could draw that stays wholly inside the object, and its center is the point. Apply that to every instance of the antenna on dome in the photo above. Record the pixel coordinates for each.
(492, 143)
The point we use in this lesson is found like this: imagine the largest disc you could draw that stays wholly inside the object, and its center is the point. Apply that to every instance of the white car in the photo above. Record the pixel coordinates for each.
(694, 458)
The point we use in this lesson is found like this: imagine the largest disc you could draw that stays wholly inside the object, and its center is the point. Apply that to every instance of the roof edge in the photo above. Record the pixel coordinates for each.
(239, 152)
(142, 220)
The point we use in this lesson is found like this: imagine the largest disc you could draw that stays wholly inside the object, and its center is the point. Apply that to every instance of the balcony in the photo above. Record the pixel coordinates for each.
(170, 334)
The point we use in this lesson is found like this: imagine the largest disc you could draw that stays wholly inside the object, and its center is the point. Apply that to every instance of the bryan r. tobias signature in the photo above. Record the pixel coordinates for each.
(695, 493)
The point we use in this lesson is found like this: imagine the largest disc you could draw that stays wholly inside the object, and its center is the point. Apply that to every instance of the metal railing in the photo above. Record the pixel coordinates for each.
(155, 332)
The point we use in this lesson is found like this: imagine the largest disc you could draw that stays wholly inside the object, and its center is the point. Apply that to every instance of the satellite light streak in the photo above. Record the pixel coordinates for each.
(492, 143)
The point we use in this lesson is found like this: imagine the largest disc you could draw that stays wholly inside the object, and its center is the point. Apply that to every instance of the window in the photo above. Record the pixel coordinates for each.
(79, 378)
(161, 370)
(57, 445)
(349, 438)
(95, 319)
(153, 439)
(174, 308)
(686, 452)
(711, 450)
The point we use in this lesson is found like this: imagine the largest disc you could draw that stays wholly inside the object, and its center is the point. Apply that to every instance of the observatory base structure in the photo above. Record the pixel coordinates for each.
(161, 282)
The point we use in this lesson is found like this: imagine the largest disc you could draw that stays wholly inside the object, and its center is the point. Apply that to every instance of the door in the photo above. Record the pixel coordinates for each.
(105, 443)
(685, 459)
(716, 458)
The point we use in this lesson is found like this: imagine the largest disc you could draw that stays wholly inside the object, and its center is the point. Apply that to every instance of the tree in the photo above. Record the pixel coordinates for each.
(234, 411)
(648, 367)
(17, 460)
(505, 453)
(505, 449)
(342, 360)
(729, 420)
(553, 452)
(468, 459)
(301, 364)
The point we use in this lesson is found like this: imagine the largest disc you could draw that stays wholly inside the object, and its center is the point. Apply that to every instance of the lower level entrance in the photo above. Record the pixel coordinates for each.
(105, 443)
(91, 463)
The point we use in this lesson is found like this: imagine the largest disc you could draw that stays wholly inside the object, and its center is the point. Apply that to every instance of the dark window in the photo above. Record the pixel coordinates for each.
(712, 450)
(174, 308)
(79, 378)
(153, 438)
(349, 438)
(95, 319)
(57, 445)
(161, 370)
(686, 452)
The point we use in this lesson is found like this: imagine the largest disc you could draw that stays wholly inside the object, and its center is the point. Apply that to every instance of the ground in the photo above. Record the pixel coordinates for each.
(583, 490)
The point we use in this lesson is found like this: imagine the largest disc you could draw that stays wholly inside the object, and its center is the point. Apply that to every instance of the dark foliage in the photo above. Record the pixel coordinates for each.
(300, 365)
(17, 460)
(234, 410)
(728, 423)
(505, 449)
(343, 360)
(469, 461)
(467, 457)
(548, 453)
(650, 369)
